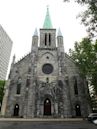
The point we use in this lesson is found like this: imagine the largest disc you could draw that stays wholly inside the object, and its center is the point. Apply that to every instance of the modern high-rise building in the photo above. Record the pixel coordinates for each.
(46, 82)
(5, 52)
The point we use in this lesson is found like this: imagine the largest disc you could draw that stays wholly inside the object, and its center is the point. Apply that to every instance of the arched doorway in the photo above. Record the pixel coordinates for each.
(78, 111)
(47, 107)
(16, 110)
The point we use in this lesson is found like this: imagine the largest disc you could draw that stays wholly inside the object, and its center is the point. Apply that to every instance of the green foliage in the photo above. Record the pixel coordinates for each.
(84, 54)
(89, 16)
(2, 83)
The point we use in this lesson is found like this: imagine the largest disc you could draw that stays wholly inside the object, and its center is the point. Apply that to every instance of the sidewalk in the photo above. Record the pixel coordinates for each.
(41, 119)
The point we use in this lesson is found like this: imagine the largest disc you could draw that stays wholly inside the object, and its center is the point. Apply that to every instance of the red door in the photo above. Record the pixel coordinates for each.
(47, 107)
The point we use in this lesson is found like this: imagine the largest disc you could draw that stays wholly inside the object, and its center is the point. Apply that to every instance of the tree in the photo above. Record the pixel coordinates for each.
(2, 83)
(94, 73)
(89, 16)
(84, 54)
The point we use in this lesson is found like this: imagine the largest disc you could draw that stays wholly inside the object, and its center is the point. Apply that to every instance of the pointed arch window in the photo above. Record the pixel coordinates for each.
(28, 82)
(45, 39)
(29, 70)
(49, 39)
(18, 86)
(75, 86)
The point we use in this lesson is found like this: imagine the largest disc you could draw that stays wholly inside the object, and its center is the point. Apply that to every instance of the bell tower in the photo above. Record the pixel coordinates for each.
(47, 34)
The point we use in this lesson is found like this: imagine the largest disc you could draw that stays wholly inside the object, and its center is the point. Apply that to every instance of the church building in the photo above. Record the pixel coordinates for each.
(46, 82)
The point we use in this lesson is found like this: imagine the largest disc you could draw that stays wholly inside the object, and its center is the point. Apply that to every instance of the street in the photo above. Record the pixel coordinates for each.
(47, 125)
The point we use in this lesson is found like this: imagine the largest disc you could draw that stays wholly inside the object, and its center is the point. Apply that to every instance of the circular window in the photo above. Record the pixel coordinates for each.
(47, 68)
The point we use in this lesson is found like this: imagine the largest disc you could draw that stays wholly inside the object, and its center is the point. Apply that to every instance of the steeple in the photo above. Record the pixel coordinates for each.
(35, 32)
(35, 41)
(47, 23)
(59, 32)
(60, 41)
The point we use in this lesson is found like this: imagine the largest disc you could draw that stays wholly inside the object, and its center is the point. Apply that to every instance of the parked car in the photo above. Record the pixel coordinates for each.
(95, 121)
(92, 117)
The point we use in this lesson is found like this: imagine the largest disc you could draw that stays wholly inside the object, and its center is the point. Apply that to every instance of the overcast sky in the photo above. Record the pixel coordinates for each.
(19, 18)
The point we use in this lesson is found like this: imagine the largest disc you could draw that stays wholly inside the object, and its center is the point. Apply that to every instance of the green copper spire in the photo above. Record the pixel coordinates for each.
(47, 22)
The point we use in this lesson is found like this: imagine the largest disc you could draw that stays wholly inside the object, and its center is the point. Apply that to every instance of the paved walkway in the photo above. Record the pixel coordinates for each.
(41, 119)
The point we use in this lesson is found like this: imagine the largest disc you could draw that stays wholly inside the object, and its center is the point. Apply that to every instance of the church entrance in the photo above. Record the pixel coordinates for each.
(47, 107)
(16, 110)
(78, 111)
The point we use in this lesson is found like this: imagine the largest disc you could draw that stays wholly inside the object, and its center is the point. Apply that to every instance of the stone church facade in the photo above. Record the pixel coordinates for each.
(46, 82)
